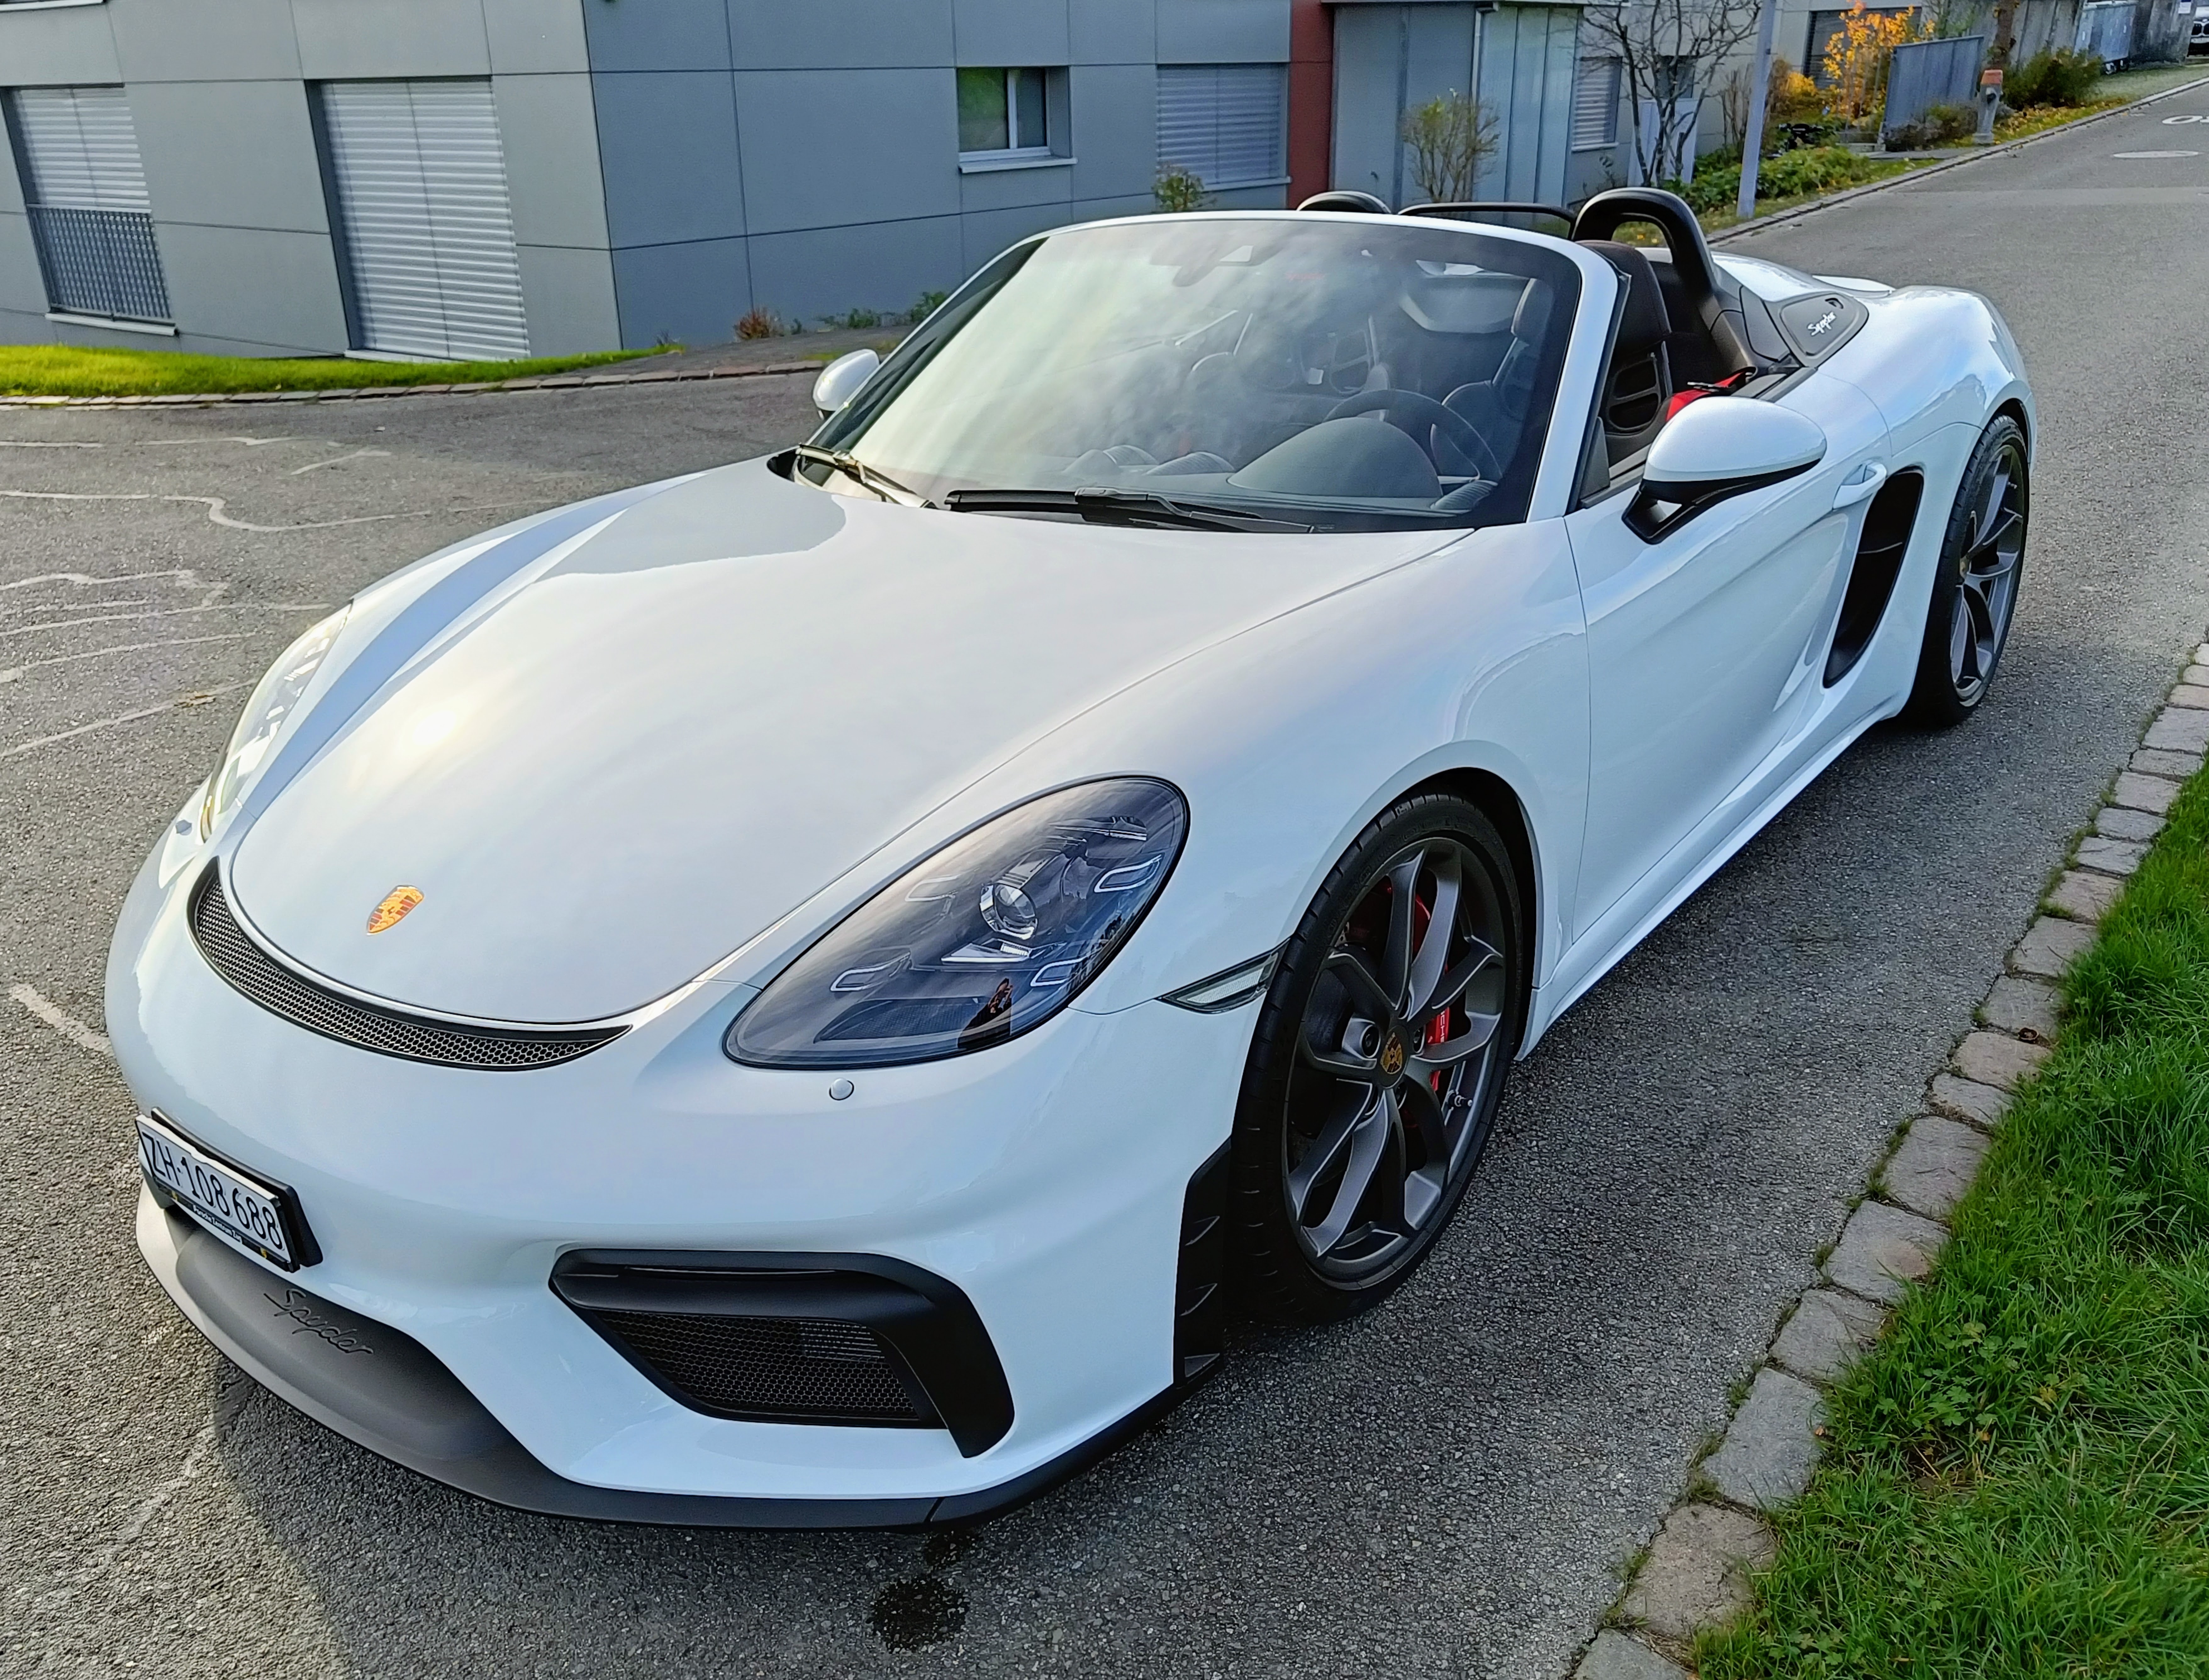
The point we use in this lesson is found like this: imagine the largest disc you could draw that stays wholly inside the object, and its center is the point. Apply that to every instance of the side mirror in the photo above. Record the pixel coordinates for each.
(1716, 447)
(841, 380)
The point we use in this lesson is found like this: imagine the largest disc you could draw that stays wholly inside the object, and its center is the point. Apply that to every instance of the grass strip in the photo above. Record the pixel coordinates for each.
(2016, 1481)
(76, 371)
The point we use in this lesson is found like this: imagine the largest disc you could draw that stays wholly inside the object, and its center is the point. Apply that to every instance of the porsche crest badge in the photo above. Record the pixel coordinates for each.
(394, 909)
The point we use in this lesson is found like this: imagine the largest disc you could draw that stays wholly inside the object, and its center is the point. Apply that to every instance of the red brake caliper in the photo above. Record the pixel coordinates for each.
(1437, 1031)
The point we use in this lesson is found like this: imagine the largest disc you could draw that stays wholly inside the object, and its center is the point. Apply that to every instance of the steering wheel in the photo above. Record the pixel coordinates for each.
(1415, 415)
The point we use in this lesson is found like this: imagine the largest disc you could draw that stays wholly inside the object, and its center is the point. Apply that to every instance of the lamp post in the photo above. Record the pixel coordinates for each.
(1752, 139)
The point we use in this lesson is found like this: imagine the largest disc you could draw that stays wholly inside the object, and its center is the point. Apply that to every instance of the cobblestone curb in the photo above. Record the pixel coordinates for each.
(1694, 1575)
(543, 382)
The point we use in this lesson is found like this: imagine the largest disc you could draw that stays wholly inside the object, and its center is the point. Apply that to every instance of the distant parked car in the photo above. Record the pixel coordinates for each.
(2199, 40)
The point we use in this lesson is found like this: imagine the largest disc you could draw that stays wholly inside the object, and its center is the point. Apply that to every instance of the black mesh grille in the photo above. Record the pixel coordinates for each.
(816, 1367)
(301, 1002)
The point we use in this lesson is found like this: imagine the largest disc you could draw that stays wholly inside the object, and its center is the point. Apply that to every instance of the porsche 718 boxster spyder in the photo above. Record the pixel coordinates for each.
(803, 993)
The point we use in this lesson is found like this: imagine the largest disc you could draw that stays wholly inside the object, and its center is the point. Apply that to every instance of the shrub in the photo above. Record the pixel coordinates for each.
(929, 302)
(1856, 56)
(1177, 188)
(856, 320)
(1941, 125)
(1448, 137)
(1792, 97)
(758, 323)
(2053, 78)
(1796, 174)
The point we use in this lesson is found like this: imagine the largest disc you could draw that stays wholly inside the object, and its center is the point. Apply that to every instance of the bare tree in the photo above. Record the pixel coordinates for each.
(1671, 53)
(1448, 137)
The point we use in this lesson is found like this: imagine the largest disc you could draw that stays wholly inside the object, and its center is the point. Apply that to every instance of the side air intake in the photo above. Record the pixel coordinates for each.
(1888, 525)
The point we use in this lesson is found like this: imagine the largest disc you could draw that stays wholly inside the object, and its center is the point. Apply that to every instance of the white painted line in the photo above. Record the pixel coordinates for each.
(216, 504)
(158, 442)
(182, 702)
(335, 460)
(184, 577)
(166, 612)
(15, 674)
(66, 1025)
(169, 1489)
(2155, 154)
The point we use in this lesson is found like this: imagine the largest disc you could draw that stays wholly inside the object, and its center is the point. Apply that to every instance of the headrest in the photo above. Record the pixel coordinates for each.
(1647, 324)
(1531, 318)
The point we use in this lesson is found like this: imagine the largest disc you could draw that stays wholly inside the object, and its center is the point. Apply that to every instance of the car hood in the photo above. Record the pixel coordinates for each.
(607, 774)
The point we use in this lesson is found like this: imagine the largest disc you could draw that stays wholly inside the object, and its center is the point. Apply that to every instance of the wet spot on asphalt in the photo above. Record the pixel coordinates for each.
(909, 1613)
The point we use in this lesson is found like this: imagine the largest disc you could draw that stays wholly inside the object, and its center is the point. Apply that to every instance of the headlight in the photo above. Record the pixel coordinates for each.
(275, 697)
(993, 935)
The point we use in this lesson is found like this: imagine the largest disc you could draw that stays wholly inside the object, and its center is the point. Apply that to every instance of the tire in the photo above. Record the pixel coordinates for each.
(1976, 582)
(1356, 1135)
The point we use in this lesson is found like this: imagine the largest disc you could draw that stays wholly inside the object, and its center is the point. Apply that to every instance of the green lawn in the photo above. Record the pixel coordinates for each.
(2017, 1478)
(70, 370)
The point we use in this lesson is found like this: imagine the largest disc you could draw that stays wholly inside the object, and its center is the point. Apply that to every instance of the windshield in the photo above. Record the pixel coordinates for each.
(1329, 375)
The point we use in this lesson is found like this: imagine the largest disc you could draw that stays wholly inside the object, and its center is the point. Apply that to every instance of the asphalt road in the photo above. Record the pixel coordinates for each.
(1445, 1488)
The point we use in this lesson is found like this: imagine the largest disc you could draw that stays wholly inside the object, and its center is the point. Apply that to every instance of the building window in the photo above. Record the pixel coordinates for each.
(1595, 104)
(84, 190)
(418, 182)
(1224, 123)
(1005, 113)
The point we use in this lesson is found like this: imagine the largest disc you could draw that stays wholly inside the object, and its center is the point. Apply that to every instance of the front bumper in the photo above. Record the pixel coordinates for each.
(383, 1388)
(1046, 1179)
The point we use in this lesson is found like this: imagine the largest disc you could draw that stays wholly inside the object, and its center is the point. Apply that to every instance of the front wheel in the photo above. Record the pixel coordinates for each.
(1975, 584)
(1377, 1062)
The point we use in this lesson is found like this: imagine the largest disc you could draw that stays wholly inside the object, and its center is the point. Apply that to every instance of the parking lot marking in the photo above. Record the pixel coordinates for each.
(335, 460)
(166, 612)
(154, 442)
(184, 577)
(15, 674)
(199, 697)
(215, 506)
(62, 1022)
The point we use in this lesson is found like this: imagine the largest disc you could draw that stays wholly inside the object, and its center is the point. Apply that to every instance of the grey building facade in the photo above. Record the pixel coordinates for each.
(545, 176)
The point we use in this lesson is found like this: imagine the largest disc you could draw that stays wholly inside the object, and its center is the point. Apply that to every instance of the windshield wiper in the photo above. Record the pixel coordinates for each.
(872, 478)
(1102, 506)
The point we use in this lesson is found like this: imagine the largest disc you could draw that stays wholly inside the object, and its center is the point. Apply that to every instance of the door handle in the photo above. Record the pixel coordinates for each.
(1860, 484)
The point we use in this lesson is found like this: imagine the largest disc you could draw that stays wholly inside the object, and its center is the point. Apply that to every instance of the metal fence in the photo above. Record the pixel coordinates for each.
(100, 262)
(1924, 73)
(2105, 29)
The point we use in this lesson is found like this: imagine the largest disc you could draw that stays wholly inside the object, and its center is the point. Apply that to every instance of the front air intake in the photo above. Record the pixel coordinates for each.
(793, 1369)
(852, 1338)
(232, 952)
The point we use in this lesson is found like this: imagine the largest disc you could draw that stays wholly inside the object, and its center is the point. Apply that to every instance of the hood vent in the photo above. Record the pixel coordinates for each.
(445, 1044)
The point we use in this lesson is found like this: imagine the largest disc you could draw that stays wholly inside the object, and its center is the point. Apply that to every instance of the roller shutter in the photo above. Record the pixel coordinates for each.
(1226, 123)
(1595, 103)
(422, 209)
(84, 187)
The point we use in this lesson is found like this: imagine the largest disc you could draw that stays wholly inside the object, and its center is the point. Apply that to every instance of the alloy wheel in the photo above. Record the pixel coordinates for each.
(1399, 1044)
(1986, 574)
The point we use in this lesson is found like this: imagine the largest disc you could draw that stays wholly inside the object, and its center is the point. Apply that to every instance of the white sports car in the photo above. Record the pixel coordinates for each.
(797, 994)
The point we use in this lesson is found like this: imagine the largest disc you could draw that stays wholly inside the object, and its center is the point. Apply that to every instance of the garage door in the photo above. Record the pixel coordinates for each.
(428, 237)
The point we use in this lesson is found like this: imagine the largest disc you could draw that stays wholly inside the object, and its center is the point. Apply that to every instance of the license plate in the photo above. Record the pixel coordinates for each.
(257, 1216)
